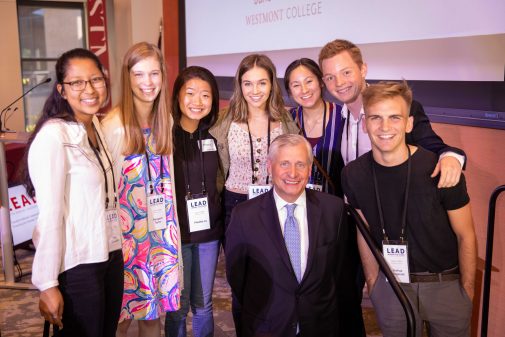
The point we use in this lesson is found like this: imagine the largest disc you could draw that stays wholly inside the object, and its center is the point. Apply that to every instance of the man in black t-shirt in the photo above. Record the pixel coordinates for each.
(426, 233)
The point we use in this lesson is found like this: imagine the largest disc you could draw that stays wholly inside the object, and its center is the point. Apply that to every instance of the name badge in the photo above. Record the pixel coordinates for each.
(113, 229)
(197, 208)
(156, 212)
(397, 256)
(315, 187)
(208, 145)
(255, 190)
(166, 183)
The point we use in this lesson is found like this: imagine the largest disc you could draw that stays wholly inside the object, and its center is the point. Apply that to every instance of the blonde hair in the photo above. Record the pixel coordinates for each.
(338, 46)
(238, 105)
(383, 90)
(161, 120)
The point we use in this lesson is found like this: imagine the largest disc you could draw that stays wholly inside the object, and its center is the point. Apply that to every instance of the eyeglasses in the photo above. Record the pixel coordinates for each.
(79, 85)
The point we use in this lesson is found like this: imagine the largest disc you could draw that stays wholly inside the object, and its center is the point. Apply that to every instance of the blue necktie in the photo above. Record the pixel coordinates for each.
(292, 238)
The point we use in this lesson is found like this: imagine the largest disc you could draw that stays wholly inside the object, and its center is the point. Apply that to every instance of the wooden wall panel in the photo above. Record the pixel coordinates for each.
(171, 39)
(485, 171)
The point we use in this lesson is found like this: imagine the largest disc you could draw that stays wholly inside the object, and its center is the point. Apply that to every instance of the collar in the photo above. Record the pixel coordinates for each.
(345, 111)
(280, 203)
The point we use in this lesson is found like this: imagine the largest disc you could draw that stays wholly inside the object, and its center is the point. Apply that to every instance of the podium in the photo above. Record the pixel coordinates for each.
(5, 220)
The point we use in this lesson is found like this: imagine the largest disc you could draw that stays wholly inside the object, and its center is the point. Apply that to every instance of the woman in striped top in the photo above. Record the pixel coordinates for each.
(320, 122)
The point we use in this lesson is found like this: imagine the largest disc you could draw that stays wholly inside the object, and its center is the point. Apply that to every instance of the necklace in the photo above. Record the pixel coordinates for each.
(311, 126)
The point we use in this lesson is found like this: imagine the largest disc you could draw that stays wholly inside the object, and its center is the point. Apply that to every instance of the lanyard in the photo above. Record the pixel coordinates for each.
(302, 127)
(148, 167)
(300, 118)
(347, 135)
(405, 201)
(186, 168)
(254, 178)
(95, 151)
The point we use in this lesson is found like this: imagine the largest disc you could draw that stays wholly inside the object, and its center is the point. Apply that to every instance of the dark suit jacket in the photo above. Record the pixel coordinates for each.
(262, 278)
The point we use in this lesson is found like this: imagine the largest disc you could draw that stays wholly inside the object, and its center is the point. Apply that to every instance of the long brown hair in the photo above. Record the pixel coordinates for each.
(161, 121)
(238, 104)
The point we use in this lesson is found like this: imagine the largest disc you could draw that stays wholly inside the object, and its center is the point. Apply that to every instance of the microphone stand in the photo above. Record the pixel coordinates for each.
(8, 107)
(5, 112)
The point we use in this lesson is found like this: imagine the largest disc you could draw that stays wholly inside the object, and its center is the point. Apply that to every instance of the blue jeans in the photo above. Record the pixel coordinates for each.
(200, 261)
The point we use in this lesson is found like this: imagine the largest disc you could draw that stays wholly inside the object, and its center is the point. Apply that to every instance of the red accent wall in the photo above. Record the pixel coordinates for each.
(97, 34)
(171, 39)
(485, 170)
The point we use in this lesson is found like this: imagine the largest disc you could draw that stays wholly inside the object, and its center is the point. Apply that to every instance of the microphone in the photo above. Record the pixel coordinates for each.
(8, 107)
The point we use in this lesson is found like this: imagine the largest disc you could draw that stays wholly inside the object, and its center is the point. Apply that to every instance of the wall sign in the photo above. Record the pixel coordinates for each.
(24, 213)
(97, 33)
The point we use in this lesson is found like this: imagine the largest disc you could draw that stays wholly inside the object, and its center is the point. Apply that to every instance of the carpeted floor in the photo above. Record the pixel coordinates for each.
(19, 314)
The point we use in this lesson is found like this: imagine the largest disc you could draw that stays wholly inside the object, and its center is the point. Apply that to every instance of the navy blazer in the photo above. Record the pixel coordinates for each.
(261, 276)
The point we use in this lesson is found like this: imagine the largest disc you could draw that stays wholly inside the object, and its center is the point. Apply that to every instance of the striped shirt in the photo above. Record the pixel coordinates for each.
(327, 149)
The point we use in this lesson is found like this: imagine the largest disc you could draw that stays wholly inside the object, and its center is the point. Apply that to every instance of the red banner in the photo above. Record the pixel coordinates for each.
(97, 33)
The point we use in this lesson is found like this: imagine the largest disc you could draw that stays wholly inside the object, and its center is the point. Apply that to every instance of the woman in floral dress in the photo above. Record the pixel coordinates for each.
(138, 133)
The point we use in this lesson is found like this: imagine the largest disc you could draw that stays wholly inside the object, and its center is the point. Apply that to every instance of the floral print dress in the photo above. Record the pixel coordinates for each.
(151, 278)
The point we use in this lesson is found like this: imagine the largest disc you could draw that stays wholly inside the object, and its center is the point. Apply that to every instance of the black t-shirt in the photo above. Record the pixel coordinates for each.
(432, 243)
(186, 150)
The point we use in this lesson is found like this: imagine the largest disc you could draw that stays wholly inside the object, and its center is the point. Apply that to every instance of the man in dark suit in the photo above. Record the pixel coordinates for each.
(285, 251)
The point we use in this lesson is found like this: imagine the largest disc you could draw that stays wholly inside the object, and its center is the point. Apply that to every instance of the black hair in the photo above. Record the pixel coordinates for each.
(205, 75)
(55, 106)
(307, 63)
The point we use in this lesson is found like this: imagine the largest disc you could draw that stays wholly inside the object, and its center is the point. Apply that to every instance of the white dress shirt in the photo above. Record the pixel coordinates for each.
(70, 190)
(301, 217)
(353, 136)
